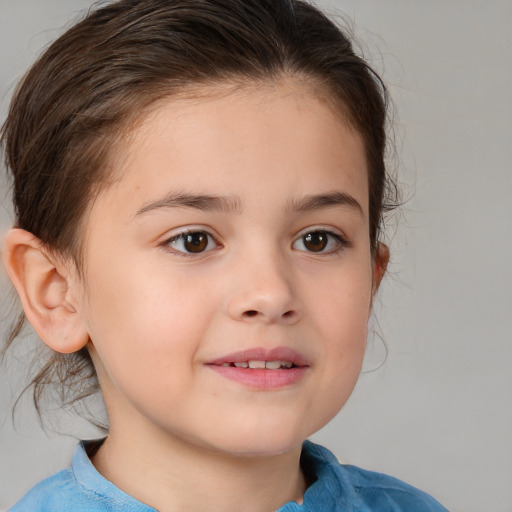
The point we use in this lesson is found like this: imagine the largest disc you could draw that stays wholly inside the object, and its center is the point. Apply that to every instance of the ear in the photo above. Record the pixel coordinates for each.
(42, 283)
(380, 264)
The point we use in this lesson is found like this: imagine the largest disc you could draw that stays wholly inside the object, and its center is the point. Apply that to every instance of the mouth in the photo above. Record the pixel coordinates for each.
(262, 369)
(268, 365)
(279, 358)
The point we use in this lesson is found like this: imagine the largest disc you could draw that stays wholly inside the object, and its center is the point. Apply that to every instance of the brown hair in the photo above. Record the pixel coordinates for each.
(98, 77)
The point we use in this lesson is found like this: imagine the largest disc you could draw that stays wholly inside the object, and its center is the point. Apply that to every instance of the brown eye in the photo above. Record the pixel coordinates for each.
(193, 242)
(325, 242)
(316, 242)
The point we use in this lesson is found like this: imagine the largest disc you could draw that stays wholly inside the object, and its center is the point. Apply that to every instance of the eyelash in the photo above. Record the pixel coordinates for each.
(182, 236)
(340, 241)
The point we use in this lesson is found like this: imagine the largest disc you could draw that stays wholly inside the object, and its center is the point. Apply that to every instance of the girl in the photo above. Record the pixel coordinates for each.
(198, 187)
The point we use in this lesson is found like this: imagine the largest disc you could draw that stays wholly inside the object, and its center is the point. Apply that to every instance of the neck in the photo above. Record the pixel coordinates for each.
(173, 475)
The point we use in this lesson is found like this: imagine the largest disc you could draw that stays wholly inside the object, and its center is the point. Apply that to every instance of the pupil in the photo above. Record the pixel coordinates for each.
(196, 242)
(315, 241)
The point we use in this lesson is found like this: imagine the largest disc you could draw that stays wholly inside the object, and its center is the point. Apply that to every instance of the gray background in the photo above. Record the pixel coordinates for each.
(439, 412)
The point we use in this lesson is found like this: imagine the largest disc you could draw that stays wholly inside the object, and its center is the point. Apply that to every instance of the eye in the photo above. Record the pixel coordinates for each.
(192, 242)
(320, 241)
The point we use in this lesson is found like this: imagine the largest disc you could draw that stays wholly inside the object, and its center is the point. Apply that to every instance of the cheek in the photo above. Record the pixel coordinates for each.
(342, 302)
(341, 327)
(139, 325)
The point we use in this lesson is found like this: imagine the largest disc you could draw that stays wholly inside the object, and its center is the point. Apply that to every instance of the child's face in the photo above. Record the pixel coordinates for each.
(272, 191)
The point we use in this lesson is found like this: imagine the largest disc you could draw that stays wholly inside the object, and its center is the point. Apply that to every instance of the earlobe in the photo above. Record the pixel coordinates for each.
(43, 287)
(380, 264)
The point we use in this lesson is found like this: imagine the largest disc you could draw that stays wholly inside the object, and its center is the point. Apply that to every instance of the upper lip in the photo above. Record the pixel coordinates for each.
(262, 354)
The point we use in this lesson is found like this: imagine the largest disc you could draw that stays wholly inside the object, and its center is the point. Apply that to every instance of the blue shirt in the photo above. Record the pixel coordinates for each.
(336, 488)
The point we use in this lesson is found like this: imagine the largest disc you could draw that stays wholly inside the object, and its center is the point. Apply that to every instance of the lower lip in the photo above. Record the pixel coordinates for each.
(261, 378)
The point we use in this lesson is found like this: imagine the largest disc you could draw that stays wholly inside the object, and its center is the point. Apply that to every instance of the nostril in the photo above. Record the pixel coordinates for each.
(250, 313)
(288, 314)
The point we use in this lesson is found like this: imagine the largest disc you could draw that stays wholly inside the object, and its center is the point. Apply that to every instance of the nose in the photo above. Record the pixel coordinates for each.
(263, 290)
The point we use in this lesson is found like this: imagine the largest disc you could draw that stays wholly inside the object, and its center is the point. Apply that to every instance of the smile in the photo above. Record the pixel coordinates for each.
(269, 365)
(262, 369)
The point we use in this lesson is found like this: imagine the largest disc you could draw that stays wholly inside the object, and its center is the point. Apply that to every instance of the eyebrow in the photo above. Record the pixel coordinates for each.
(225, 204)
(320, 201)
(233, 204)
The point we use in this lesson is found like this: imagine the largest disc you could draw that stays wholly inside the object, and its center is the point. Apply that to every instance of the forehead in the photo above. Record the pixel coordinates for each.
(274, 139)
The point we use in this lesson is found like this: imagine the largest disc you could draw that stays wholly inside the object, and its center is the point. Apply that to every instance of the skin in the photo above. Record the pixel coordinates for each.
(156, 315)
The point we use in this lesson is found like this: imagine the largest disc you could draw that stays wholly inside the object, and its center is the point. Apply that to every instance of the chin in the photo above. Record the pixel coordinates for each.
(260, 443)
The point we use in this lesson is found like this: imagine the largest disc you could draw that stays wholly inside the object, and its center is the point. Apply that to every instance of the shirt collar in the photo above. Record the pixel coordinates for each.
(91, 480)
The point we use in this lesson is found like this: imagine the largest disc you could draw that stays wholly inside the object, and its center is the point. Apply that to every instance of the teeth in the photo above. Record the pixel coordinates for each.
(269, 365)
(256, 364)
